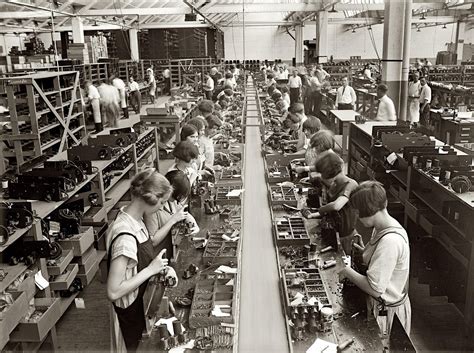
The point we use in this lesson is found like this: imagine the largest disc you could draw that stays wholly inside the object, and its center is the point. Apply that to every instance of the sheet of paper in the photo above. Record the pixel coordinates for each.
(40, 281)
(235, 193)
(322, 346)
(225, 269)
(181, 349)
(169, 324)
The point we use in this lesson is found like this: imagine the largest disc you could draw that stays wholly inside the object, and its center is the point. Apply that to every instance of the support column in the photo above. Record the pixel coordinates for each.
(134, 53)
(396, 53)
(460, 40)
(299, 49)
(322, 37)
(77, 30)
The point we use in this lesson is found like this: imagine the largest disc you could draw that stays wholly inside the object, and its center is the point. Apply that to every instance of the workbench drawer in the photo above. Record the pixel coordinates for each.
(431, 223)
(36, 331)
(79, 243)
(87, 261)
(12, 315)
(87, 278)
(64, 280)
(413, 209)
(61, 263)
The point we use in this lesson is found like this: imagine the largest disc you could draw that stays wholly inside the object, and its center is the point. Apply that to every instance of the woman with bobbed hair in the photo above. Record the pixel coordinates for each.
(384, 273)
(159, 224)
(131, 257)
(186, 153)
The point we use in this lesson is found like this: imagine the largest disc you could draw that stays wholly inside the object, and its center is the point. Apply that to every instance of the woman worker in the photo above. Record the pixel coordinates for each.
(386, 258)
(338, 188)
(185, 154)
(173, 211)
(131, 258)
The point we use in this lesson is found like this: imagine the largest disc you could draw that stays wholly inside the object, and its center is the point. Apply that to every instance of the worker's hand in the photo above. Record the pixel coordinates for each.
(159, 263)
(358, 243)
(300, 169)
(342, 275)
(180, 215)
(209, 169)
(170, 272)
(204, 173)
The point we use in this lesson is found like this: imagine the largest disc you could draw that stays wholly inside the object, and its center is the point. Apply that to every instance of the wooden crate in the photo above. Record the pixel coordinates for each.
(61, 263)
(12, 315)
(36, 331)
(79, 243)
(64, 280)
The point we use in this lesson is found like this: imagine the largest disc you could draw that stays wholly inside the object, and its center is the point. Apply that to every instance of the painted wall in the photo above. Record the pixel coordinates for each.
(271, 42)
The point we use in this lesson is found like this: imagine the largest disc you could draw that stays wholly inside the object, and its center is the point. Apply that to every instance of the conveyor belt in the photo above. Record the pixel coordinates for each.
(261, 323)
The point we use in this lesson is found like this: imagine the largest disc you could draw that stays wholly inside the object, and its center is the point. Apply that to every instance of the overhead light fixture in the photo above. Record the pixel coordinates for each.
(333, 10)
(353, 30)
(369, 28)
(444, 26)
(422, 18)
(418, 29)
(94, 24)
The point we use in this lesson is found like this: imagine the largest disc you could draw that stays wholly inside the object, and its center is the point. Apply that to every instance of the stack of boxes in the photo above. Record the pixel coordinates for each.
(78, 51)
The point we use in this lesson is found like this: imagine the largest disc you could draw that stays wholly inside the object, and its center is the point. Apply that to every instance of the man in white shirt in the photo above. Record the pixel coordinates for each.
(386, 110)
(208, 86)
(425, 100)
(94, 100)
(321, 74)
(314, 95)
(167, 79)
(414, 90)
(109, 102)
(346, 96)
(295, 84)
(135, 95)
(120, 85)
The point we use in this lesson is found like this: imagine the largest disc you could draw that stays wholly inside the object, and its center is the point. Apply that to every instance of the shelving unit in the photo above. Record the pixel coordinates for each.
(46, 116)
(438, 221)
(82, 254)
(446, 73)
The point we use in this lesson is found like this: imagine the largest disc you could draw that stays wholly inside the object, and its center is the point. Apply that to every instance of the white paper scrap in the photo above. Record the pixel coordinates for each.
(235, 193)
(40, 281)
(169, 324)
(322, 346)
(182, 348)
(225, 269)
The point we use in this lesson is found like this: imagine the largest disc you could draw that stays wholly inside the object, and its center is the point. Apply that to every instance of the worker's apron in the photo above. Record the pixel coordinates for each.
(95, 104)
(132, 318)
(123, 99)
(377, 305)
(413, 110)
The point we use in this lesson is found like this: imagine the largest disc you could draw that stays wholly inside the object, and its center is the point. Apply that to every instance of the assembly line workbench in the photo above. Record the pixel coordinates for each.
(342, 120)
(350, 321)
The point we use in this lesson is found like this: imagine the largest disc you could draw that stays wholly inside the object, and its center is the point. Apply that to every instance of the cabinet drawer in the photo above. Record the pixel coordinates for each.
(87, 261)
(28, 286)
(79, 243)
(29, 331)
(431, 223)
(63, 281)
(12, 315)
(413, 208)
(61, 263)
(87, 278)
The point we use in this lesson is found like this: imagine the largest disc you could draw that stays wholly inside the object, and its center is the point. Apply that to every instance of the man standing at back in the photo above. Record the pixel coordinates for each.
(294, 81)
(386, 110)
(346, 96)
(425, 100)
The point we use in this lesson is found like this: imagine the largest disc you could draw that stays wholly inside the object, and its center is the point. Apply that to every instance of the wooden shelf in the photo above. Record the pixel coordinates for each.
(12, 273)
(118, 177)
(48, 127)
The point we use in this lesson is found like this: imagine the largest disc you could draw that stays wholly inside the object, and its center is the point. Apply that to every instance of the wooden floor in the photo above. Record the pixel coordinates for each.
(435, 323)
